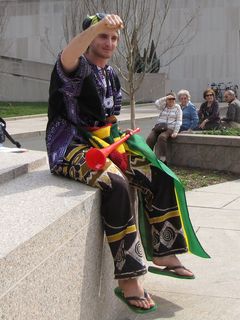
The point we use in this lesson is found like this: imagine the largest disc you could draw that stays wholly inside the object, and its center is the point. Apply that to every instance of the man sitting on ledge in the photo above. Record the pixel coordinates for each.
(85, 97)
(232, 119)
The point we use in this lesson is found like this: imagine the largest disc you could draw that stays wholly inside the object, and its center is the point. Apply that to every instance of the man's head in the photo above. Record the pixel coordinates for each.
(105, 43)
(229, 96)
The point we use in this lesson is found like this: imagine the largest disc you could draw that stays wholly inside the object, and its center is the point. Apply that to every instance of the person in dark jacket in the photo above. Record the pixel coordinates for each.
(232, 118)
(208, 113)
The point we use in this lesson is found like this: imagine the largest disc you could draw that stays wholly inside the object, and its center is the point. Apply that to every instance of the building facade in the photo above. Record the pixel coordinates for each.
(34, 32)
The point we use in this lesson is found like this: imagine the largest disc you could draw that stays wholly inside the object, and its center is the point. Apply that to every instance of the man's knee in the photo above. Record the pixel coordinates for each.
(119, 184)
(162, 138)
(151, 139)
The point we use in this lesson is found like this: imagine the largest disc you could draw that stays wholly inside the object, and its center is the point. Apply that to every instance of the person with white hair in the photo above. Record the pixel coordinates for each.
(189, 112)
(232, 119)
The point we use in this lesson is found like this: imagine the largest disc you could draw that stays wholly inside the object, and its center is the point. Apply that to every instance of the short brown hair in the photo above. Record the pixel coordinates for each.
(208, 91)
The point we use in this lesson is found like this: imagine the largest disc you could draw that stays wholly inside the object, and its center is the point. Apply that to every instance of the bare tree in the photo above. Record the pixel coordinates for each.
(149, 41)
(48, 44)
(73, 14)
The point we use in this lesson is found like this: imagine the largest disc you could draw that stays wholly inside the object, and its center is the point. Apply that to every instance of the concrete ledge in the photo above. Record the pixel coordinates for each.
(16, 164)
(54, 261)
(205, 151)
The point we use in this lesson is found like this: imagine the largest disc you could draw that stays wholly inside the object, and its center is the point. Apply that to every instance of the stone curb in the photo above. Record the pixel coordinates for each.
(20, 163)
(45, 114)
(26, 117)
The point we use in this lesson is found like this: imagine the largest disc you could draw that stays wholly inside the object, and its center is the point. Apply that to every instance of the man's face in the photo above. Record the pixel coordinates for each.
(104, 45)
(228, 97)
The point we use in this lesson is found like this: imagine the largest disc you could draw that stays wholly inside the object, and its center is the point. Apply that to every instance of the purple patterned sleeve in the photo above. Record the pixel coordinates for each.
(72, 83)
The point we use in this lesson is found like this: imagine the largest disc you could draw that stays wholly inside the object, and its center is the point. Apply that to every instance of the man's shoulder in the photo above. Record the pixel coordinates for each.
(234, 103)
(237, 102)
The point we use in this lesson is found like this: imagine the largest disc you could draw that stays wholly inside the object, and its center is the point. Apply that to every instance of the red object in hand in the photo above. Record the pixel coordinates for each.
(96, 158)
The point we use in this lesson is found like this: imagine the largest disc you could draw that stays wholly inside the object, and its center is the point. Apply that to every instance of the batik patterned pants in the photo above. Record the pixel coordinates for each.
(118, 217)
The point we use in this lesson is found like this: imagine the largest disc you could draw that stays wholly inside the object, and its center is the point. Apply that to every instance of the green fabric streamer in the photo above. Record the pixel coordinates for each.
(136, 142)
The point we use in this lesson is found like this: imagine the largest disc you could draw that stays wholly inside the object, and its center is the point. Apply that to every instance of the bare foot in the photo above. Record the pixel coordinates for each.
(172, 261)
(131, 288)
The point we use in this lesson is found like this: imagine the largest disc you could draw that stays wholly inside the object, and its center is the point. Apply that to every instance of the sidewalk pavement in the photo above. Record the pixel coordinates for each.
(215, 214)
(214, 294)
(27, 125)
(23, 126)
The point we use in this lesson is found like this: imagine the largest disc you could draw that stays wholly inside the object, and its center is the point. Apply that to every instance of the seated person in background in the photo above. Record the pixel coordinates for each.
(168, 125)
(232, 119)
(189, 112)
(208, 113)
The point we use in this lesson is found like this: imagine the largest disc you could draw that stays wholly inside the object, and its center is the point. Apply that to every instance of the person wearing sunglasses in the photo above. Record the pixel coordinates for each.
(190, 116)
(84, 102)
(168, 125)
(209, 118)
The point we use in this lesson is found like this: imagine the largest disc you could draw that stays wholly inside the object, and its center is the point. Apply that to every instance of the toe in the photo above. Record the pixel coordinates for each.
(149, 299)
(184, 272)
(141, 303)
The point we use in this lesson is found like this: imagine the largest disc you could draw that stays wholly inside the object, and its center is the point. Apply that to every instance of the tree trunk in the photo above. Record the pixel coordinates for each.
(132, 105)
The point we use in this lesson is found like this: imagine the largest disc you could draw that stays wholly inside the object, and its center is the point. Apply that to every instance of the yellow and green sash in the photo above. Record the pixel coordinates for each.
(104, 136)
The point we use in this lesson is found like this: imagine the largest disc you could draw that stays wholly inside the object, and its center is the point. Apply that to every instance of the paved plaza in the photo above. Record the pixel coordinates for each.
(215, 214)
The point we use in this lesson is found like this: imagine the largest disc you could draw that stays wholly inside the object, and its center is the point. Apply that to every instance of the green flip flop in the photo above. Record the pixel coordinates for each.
(119, 293)
(170, 272)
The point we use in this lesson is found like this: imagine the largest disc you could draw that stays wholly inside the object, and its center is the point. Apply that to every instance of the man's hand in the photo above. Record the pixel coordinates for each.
(111, 21)
(111, 119)
(174, 135)
(128, 131)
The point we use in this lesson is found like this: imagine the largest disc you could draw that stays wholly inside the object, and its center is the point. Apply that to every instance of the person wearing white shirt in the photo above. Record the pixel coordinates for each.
(168, 125)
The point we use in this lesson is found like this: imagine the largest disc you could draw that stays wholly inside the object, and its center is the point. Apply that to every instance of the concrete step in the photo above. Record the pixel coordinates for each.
(54, 261)
(13, 165)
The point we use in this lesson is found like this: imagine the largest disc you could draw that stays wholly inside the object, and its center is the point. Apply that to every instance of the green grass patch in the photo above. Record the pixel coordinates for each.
(16, 109)
(193, 178)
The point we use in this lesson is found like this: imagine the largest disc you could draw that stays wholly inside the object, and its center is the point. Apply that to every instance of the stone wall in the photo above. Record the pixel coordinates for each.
(205, 151)
(23, 80)
(152, 87)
